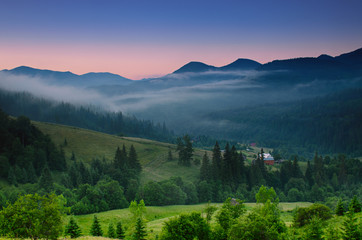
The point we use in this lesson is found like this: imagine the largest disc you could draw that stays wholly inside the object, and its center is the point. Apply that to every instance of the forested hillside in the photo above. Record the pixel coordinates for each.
(90, 117)
(329, 124)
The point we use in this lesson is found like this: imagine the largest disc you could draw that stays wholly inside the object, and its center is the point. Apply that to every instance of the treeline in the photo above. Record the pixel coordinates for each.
(17, 104)
(26, 154)
(329, 124)
(325, 179)
(31, 163)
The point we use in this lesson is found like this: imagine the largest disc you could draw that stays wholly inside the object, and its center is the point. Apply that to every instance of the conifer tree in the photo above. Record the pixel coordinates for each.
(133, 160)
(72, 229)
(12, 177)
(119, 231)
(296, 172)
(340, 208)
(309, 174)
(226, 165)
(32, 178)
(169, 156)
(205, 168)
(140, 231)
(355, 204)
(46, 179)
(111, 232)
(216, 162)
(96, 229)
(351, 227)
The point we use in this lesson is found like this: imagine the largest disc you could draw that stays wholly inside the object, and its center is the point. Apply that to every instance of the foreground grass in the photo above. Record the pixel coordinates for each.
(88, 145)
(156, 216)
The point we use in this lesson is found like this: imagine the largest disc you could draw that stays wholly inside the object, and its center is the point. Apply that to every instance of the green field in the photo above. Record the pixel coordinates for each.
(88, 145)
(156, 216)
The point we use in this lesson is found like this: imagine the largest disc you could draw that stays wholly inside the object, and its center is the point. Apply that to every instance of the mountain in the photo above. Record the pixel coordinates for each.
(345, 62)
(241, 64)
(352, 58)
(57, 77)
(195, 67)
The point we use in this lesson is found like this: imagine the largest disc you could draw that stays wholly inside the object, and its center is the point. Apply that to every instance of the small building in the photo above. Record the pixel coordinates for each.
(268, 159)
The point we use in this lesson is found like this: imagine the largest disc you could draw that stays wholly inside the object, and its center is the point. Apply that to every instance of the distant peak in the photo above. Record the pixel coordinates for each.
(242, 64)
(195, 66)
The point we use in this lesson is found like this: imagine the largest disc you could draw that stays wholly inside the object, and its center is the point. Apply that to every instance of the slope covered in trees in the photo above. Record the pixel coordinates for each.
(329, 124)
(17, 104)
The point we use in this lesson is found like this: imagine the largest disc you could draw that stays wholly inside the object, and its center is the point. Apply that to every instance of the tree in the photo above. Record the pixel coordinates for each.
(205, 168)
(339, 208)
(96, 229)
(309, 174)
(140, 231)
(304, 216)
(350, 227)
(169, 156)
(216, 162)
(12, 177)
(133, 160)
(314, 230)
(355, 204)
(186, 227)
(33, 216)
(229, 212)
(72, 229)
(111, 232)
(119, 231)
(185, 150)
(137, 210)
(46, 179)
(209, 210)
(266, 194)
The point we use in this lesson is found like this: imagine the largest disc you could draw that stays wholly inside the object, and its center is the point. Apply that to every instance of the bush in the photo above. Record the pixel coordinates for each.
(304, 216)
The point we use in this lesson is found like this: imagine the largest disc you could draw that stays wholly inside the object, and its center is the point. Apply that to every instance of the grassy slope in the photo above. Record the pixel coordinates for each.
(88, 145)
(156, 216)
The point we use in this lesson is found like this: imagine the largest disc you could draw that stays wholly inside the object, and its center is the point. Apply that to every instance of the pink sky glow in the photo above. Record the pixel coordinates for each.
(139, 61)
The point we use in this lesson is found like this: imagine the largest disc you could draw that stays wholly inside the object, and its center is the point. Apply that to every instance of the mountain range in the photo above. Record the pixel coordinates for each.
(344, 62)
(242, 101)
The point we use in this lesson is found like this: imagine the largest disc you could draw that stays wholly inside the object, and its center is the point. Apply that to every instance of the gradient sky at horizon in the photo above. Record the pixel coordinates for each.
(141, 38)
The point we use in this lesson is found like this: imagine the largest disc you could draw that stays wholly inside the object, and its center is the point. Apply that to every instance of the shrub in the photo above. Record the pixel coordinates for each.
(304, 216)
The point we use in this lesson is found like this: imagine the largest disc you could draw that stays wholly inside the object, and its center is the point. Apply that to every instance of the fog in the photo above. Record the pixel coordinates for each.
(185, 102)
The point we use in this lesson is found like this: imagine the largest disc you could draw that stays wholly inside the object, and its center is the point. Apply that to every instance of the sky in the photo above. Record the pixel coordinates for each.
(149, 38)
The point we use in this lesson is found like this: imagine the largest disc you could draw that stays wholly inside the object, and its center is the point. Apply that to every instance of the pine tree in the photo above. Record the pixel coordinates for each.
(46, 179)
(73, 157)
(111, 232)
(296, 172)
(72, 229)
(140, 231)
(216, 162)
(226, 165)
(350, 227)
(96, 229)
(309, 174)
(12, 177)
(32, 178)
(355, 204)
(119, 231)
(133, 160)
(169, 156)
(339, 208)
(205, 168)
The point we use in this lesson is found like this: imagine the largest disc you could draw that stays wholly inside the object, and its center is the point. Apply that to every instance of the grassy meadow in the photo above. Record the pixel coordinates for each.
(156, 216)
(88, 145)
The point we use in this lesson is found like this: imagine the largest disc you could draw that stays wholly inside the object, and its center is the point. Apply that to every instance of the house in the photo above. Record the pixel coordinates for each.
(268, 159)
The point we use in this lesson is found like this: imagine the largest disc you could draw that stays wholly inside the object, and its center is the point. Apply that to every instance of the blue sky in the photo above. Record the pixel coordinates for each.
(148, 38)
